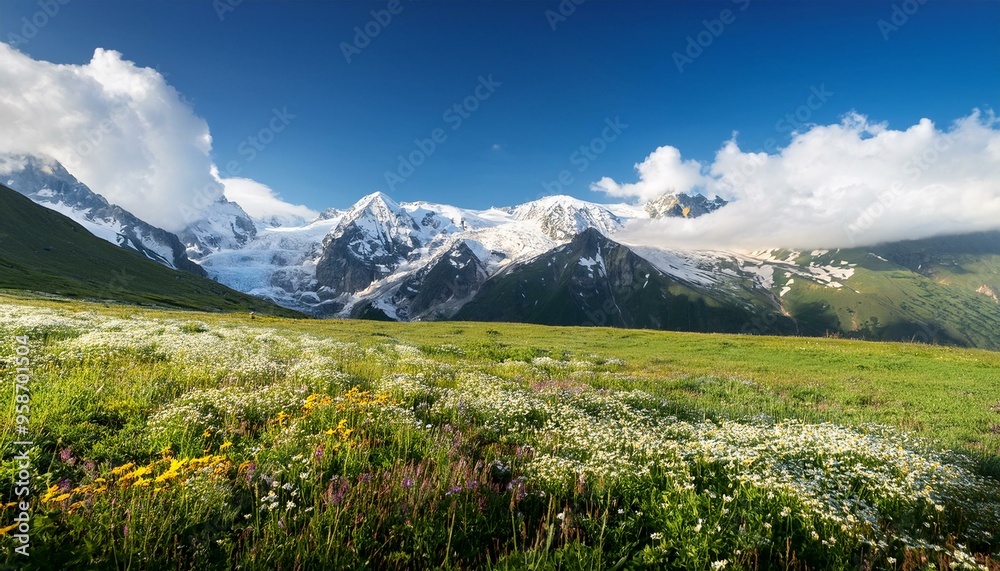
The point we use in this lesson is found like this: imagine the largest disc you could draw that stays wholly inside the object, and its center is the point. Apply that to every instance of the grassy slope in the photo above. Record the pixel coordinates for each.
(929, 294)
(44, 251)
(946, 393)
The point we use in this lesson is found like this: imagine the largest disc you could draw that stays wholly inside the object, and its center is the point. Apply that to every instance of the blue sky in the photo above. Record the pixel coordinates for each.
(606, 60)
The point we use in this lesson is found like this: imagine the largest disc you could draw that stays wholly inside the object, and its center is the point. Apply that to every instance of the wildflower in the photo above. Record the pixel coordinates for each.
(122, 468)
(225, 446)
(720, 564)
(697, 528)
(656, 536)
(8, 529)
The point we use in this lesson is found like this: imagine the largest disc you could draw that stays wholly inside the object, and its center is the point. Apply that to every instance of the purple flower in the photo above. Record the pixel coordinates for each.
(454, 490)
(407, 482)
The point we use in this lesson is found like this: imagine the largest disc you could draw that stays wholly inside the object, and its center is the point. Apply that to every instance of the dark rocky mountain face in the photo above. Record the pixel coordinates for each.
(595, 281)
(370, 242)
(439, 289)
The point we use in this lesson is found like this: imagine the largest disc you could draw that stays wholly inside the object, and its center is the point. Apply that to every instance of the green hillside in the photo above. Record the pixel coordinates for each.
(44, 251)
(939, 290)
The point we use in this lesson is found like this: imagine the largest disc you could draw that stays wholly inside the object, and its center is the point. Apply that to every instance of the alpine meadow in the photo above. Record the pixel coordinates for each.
(548, 285)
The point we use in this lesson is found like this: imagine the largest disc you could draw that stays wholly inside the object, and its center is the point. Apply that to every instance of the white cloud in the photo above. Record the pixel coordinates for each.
(261, 202)
(849, 184)
(661, 172)
(119, 128)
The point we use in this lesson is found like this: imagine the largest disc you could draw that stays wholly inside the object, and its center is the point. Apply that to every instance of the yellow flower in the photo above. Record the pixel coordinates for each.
(225, 446)
(50, 493)
(316, 400)
(141, 483)
(122, 468)
(137, 473)
(8, 529)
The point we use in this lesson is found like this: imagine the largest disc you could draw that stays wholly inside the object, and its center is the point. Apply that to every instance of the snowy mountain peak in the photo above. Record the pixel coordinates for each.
(378, 217)
(222, 225)
(376, 201)
(681, 205)
(561, 217)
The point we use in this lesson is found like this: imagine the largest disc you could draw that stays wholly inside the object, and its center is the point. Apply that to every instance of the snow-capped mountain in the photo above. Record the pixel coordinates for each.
(682, 205)
(223, 225)
(420, 260)
(563, 217)
(557, 259)
(46, 182)
(411, 260)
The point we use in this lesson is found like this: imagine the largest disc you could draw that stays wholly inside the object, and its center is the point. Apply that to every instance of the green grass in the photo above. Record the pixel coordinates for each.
(292, 443)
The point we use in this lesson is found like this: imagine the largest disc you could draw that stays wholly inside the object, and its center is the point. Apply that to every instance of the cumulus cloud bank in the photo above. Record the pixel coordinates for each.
(260, 201)
(119, 128)
(849, 184)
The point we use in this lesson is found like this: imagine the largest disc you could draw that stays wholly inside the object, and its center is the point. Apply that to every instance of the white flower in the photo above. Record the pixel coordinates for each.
(697, 528)
(656, 536)
(720, 564)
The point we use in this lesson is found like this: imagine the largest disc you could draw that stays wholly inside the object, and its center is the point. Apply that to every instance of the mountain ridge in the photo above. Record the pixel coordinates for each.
(419, 260)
